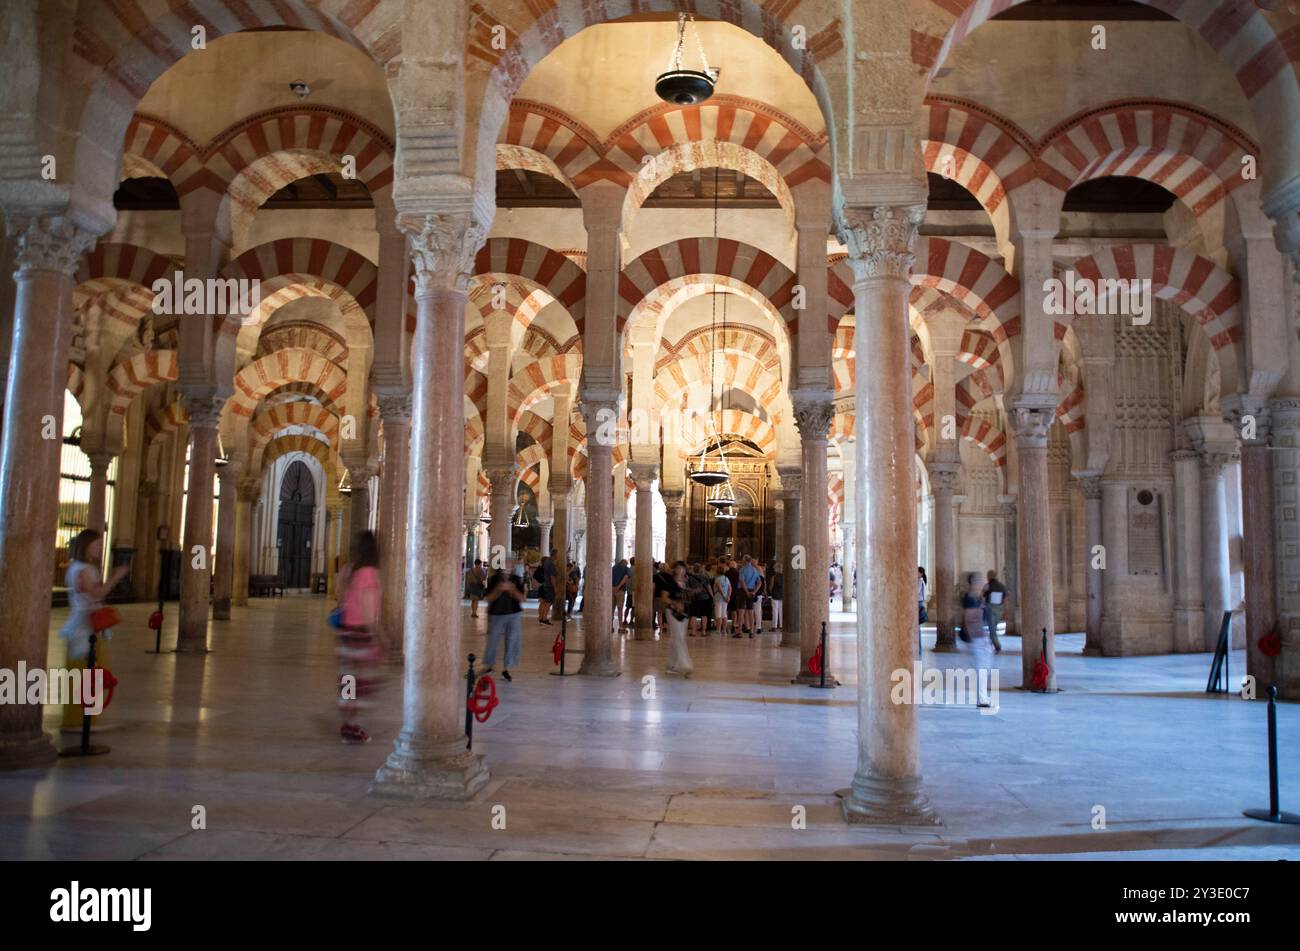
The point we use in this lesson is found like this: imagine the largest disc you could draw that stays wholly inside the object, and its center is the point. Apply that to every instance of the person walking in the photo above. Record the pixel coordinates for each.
(505, 598)
(622, 577)
(721, 599)
(776, 594)
(86, 594)
(972, 605)
(360, 649)
(922, 582)
(572, 584)
(671, 595)
(474, 580)
(546, 594)
(995, 599)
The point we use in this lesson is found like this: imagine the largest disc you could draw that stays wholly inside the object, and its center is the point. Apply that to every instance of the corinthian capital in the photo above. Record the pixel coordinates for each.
(443, 247)
(813, 413)
(203, 408)
(882, 244)
(48, 244)
(1030, 424)
(394, 407)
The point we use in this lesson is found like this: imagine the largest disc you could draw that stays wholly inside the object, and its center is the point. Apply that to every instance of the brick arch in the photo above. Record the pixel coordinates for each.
(663, 270)
(737, 338)
(305, 388)
(1200, 287)
(539, 267)
(735, 371)
(1245, 38)
(511, 155)
(297, 442)
(264, 375)
(978, 282)
(476, 390)
(268, 420)
(304, 335)
(121, 277)
(541, 431)
(978, 349)
(163, 420)
(473, 431)
(135, 375)
(986, 433)
(531, 382)
(1187, 152)
(731, 422)
(329, 268)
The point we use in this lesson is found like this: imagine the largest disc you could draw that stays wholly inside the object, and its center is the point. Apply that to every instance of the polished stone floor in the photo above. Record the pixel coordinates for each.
(711, 767)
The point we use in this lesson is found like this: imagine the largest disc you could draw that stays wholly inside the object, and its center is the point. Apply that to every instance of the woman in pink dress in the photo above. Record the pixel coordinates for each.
(360, 647)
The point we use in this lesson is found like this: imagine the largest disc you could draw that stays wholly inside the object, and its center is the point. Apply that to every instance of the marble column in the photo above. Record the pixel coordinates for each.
(560, 527)
(1090, 486)
(813, 414)
(1030, 424)
(395, 411)
(47, 251)
(429, 759)
(204, 409)
(1284, 412)
(1260, 566)
(246, 495)
(223, 582)
(1011, 564)
(620, 533)
(544, 535)
(1214, 542)
(644, 474)
(945, 481)
(361, 474)
(1189, 608)
(501, 506)
(597, 602)
(886, 787)
(673, 537)
(97, 514)
(791, 488)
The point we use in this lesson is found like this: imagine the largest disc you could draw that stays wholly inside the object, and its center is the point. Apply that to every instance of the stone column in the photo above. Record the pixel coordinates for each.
(1251, 421)
(395, 411)
(97, 515)
(47, 251)
(246, 495)
(1285, 457)
(848, 526)
(429, 759)
(361, 473)
(1214, 542)
(945, 481)
(1030, 424)
(597, 604)
(1011, 565)
(560, 527)
(544, 535)
(791, 488)
(620, 532)
(1189, 608)
(673, 538)
(471, 541)
(223, 582)
(643, 474)
(204, 409)
(886, 787)
(501, 507)
(1090, 486)
(813, 413)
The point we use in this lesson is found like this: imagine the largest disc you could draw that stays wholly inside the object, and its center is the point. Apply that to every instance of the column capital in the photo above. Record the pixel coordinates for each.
(671, 497)
(559, 487)
(502, 477)
(945, 476)
(881, 240)
(791, 483)
(248, 490)
(1249, 416)
(1089, 484)
(394, 404)
(48, 243)
(1030, 422)
(100, 458)
(443, 246)
(620, 524)
(813, 412)
(203, 405)
(643, 474)
(599, 408)
(1284, 415)
(1215, 459)
(472, 524)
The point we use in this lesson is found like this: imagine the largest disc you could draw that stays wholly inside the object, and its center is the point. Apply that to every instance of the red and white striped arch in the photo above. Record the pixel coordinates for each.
(734, 370)
(289, 443)
(269, 420)
(120, 278)
(538, 428)
(290, 268)
(536, 381)
(698, 344)
(984, 431)
(163, 420)
(131, 377)
(476, 390)
(538, 267)
(978, 282)
(261, 377)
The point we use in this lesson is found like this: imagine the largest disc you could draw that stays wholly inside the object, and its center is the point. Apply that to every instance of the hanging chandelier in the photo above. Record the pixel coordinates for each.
(686, 87)
(522, 520)
(722, 497)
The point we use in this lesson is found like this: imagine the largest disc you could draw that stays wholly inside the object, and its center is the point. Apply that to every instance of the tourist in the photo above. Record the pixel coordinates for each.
(977, 635)
(759, 592)
(629, 602)
(922, 582)
(701, 601)
(546, 594)
(474, 586)
(572, 584)
(995, 598)
(505, 596)
(360, 649)
(671, 594)
(739, 602)
(721, 598)
(776, 594)
(622, 577)
(749, 584)
(86, 594)
(836, 579)
(661, 574)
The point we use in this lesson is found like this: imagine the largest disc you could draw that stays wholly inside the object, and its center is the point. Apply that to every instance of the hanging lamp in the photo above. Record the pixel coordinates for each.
(704, 475)
(722, 497)
(686, 87)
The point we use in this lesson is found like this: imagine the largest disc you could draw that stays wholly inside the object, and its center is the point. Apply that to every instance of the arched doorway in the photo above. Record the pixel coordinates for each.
(297, 515)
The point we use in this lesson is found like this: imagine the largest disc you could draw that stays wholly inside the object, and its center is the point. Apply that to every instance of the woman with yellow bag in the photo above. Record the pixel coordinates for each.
(86, 593)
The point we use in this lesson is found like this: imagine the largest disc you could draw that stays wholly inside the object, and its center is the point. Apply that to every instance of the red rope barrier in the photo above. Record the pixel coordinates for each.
(484, 699)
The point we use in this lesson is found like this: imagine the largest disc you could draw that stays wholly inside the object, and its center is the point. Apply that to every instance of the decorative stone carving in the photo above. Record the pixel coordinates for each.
(643, 474)
(203, 409)
(442, 248)
(1090, 486)
(1249, 416)
(502, 477)
(1213, 462)
(883, 245)
(812, 415)
(1030, 425)
(48, 244)
(945, 477)
(394, 407)
(791, 484)
(601, 416)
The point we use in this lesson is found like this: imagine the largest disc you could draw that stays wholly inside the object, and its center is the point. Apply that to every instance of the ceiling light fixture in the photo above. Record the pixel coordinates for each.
(686, 87)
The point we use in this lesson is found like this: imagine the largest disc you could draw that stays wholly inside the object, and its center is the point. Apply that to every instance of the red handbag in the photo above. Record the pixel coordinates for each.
(103, 618)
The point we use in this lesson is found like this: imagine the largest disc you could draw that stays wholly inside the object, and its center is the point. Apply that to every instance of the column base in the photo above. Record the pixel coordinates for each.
(814, 679)
(643, 634)
(873, 800)
(945, 643)
(442, 770)
(791, 639)
(191, 647)
(221, 610)
(28, 752)
(603, 667)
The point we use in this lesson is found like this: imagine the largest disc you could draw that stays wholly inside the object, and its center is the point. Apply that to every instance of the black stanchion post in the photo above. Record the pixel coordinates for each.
(823, 649)
(469, 714)
(564, 640)
(1274, 813)
(84, 748)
